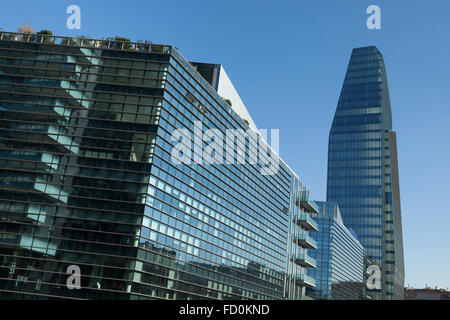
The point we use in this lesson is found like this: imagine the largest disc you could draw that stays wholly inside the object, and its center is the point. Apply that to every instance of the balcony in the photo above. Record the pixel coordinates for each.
(306, 281)
(305, 241)
(307, 204)
(304, 260)
(305, 220)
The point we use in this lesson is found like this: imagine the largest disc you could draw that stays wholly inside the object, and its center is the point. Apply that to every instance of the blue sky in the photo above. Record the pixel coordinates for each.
(288, 59)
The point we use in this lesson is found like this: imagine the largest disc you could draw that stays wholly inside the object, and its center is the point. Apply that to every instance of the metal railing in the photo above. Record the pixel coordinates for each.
(306, 258)
(306, 279)
(304, 217)
(86, 42)
(304, 239)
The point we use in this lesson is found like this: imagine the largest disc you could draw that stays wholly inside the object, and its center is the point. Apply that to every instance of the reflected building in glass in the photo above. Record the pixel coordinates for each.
(363, 170)
(339, 258)
(87, 179)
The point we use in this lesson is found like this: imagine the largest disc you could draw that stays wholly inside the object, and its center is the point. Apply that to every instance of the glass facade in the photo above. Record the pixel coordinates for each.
(87, 179)
(340, 258)
(362, 167)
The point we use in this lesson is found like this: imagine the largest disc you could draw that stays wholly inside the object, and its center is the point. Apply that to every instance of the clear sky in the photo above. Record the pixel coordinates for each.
(287, 59)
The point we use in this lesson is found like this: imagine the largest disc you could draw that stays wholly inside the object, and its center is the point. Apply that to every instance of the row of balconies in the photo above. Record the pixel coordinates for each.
(305, 220)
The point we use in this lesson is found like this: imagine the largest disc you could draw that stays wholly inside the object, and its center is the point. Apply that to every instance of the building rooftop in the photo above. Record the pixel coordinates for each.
(80, 41)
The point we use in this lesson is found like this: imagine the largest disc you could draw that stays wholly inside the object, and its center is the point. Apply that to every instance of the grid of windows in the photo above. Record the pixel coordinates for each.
(87, 179)
(358, 168)
(340, 258)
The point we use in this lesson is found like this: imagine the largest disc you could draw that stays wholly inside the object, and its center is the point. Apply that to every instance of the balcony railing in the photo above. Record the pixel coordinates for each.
(305, 241)
(305, 261)
(306, 281)
(86, 42)
(305, 220)
(307, 204)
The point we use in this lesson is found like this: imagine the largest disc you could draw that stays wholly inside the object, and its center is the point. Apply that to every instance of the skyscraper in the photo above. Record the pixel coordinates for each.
(87, 181)
(363, 169)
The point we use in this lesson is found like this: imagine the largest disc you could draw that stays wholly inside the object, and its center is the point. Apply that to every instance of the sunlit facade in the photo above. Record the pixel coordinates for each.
(339, 258)
(86, 179)
(363, 169)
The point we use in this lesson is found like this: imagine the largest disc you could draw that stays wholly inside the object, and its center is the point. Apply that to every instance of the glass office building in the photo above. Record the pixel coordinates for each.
(339, 258)
(363, 169)
(87, 180)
